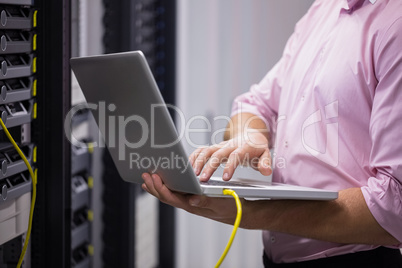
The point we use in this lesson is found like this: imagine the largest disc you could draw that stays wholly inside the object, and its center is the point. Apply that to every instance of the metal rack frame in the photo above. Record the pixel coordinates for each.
(51, 237)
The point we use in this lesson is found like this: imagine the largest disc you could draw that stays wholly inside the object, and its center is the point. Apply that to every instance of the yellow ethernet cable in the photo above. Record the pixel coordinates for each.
(235, 226)
(33, 191)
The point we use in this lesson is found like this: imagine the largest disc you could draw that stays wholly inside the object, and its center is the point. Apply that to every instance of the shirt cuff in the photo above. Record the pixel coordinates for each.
(384, 199)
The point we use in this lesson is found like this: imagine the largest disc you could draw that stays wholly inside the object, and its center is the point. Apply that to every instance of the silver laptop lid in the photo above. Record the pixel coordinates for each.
(133, 119)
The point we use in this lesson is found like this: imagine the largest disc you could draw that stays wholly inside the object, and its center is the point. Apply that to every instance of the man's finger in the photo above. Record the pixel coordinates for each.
(235, 158)
(216, 159)
(149, 185)
(194, 155)
(264, 163)
(202, 158)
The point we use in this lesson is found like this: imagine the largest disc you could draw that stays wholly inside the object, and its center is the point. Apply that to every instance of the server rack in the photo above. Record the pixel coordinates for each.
(18, 89)
(147, 25)
(35, 97)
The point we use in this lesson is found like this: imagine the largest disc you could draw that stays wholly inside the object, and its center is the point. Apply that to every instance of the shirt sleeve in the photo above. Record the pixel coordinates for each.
(262, 99)
(383, 193)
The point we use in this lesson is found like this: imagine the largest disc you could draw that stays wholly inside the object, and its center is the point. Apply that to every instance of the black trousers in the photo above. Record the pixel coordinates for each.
(380, 257)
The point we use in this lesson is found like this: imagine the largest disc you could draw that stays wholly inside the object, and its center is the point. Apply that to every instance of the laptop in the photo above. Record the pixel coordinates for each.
(140, 135)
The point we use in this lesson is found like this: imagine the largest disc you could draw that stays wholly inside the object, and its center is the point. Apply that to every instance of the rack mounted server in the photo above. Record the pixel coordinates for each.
(81, 196)
(18, 44)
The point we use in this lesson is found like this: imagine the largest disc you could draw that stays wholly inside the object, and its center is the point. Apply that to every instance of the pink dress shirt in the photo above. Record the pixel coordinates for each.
(334, 105)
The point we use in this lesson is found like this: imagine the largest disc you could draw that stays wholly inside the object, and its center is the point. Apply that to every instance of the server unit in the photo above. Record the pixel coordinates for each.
(81, 194)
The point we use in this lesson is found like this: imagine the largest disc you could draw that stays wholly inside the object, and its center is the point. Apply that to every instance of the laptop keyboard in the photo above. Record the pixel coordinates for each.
(226, 183)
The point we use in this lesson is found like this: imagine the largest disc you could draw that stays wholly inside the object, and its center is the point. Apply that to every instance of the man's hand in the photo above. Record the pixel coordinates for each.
(346, 220)
(219, 209)
(248, 147)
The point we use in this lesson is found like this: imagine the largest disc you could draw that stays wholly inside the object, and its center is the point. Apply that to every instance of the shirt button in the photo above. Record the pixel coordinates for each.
(286, 144)
(302, 98)
(349, 10)
(273, 239)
